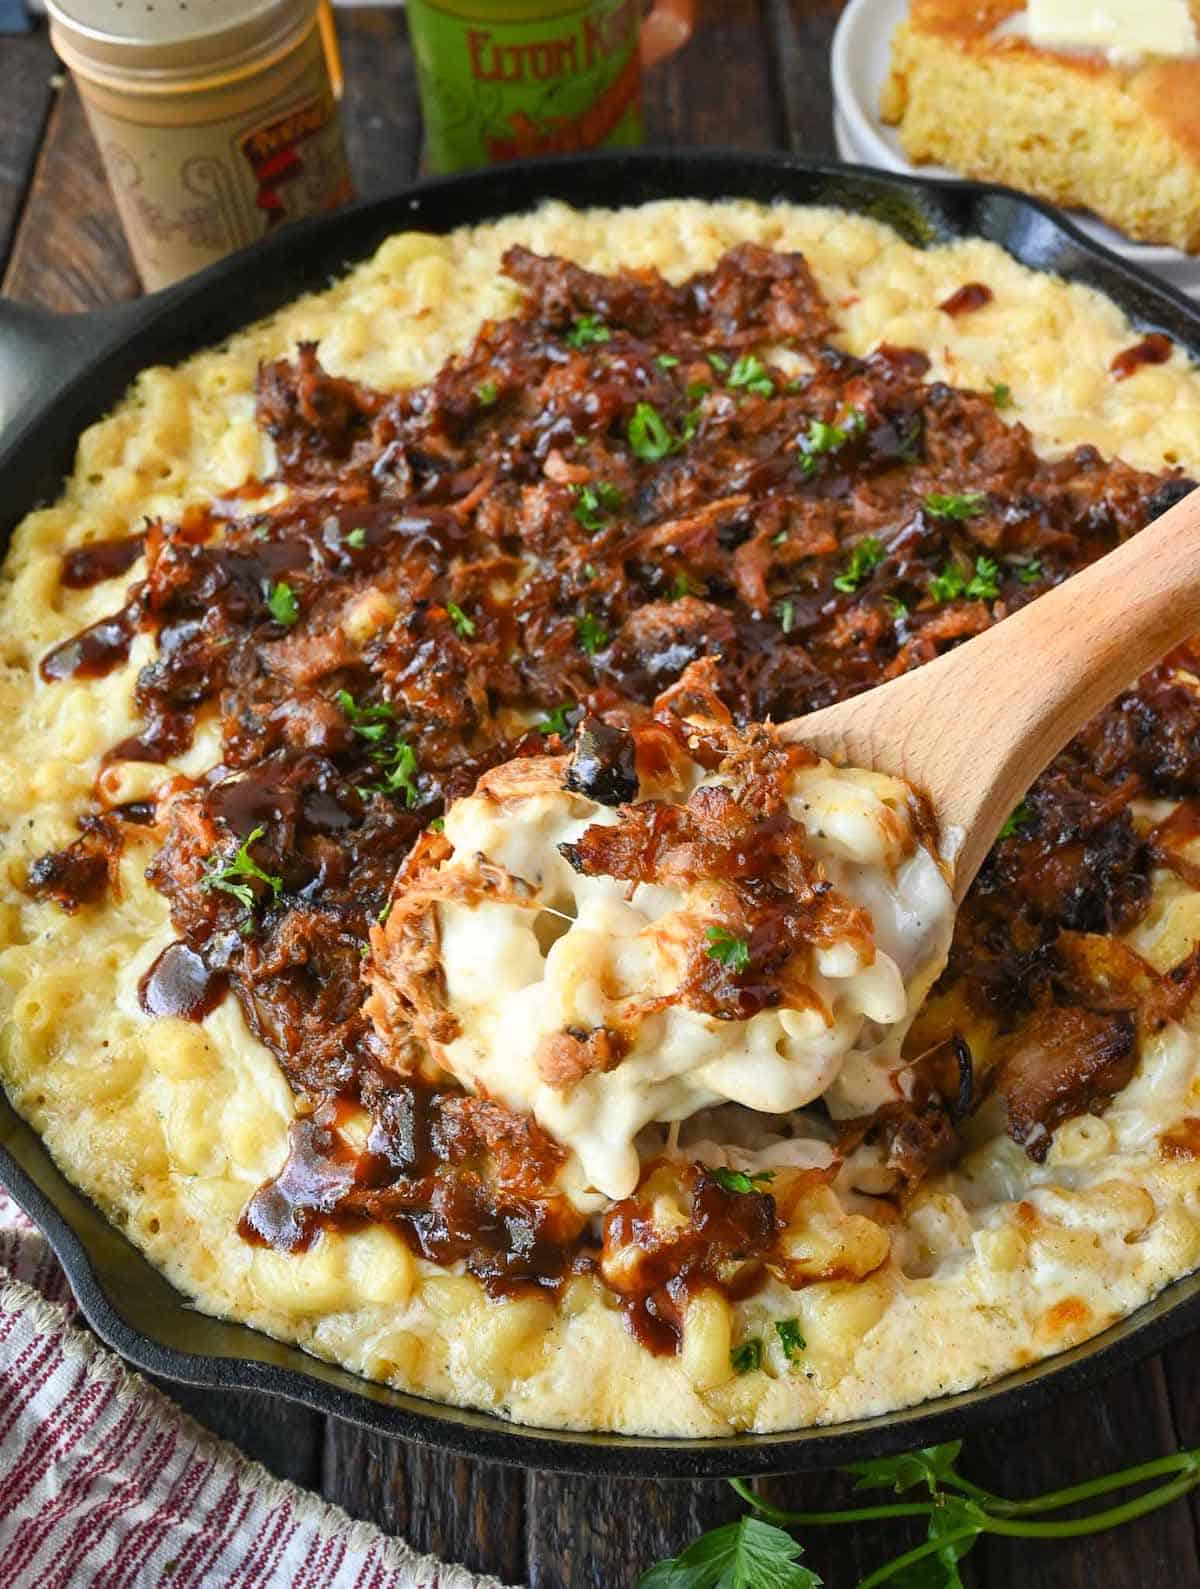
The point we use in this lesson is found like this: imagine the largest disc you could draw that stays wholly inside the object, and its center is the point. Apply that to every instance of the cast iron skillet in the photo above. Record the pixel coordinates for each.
(57, 374)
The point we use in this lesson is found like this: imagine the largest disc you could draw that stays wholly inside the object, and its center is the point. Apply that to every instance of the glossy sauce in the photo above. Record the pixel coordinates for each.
(968, 298)
(99, 560)
(94, 652)
(180, 984)
(1154, 349)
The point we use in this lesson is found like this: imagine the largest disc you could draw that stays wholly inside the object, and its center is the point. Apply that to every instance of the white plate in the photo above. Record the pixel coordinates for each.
(861, 51)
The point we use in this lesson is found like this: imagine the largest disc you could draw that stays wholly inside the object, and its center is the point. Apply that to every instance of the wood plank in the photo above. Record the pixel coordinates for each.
(380, 110)
(27, 65)
(717, 90)
(286, 1439)
(467, 1512)
(600, 1533)
(1126, 1420)
(801, 34)
(70, 252)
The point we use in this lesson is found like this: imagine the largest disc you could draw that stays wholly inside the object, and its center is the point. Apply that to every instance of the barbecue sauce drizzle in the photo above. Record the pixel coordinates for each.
(732, 542)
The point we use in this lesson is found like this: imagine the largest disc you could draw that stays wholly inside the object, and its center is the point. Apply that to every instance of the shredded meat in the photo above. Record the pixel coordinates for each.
(1064, 1062)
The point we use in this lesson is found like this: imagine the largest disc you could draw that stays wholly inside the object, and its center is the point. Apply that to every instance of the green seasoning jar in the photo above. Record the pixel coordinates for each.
(501, 79)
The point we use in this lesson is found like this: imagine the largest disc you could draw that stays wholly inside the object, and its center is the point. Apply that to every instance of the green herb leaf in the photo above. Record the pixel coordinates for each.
(983, 586)
(951, 505)
(590, 634)
(748, 1554)
(931, 1465)
(555, 722)
(282, 602)
(1029, 573)
(587, 330)
(787, 615)
(395, 758)
(780, 539)
(719, 363)
(398, 762)
(751, 373)
(747, 1357)
(740, 1180)
(368, 722)
(463, 625)
(790, 1338)
(648, 434)
(666, 361)
(487, 392)
(897, 608)
(865, 558)
(594, 503)
(727, 948)
(949, 584)
(438, 825)
(224, 875)
(695, 390)
(952, 1516)
(1002, 395)
(357, 538)
(820, 438)
(1016, 818)
(680, 587)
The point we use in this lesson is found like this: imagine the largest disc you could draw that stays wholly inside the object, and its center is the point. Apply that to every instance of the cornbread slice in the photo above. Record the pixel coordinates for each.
(1122, 141)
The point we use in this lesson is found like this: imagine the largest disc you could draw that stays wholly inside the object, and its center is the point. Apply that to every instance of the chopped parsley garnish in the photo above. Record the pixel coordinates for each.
(949, 505)
(787, 615)
(982, 585)
(719, 363)
(593, 504)
(357, 538)
(952, 583)
(865, 558)
(790, 1338)
(1016, 818)
(1002, 395)
(696, 390)
(744, 1359)
(590, 571)
(395, 758)
(751, 373)
(225, 875)
(282, 601)
(897, 608)
(438, 825)
(1029, 573)
(386, 910)
(590, 634)
(648, 434)
(680, 587)
(739, 1180)
(464, 626)
(587, 330)
(487, 392)
(555, 722)
(780, 539)
(666, 361)
(727, 948)
(824, 438)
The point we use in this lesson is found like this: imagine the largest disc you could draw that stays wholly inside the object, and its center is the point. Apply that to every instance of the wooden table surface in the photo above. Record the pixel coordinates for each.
(756, 77)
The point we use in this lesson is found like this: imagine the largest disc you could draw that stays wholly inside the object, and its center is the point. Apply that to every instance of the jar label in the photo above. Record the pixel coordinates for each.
(493, 89)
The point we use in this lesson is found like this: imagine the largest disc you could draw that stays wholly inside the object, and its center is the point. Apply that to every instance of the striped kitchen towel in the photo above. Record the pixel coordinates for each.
(105, 1484)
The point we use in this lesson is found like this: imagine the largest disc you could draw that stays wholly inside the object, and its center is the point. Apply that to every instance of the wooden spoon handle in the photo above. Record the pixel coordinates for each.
(975, 727)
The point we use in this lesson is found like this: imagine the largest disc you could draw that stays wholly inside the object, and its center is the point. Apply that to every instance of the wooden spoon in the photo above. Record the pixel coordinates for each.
(975, 727)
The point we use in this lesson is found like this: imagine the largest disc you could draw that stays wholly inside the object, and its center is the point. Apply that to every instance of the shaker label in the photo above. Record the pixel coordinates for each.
(273, 156)
(495, 90)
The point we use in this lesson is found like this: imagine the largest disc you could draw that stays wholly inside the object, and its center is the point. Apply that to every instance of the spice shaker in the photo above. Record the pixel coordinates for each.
(216, 120)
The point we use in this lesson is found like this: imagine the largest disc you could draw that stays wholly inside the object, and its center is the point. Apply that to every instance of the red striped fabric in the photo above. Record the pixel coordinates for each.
(105, 1484)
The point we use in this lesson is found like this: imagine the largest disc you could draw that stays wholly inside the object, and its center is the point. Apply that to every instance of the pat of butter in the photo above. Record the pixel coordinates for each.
(1123, 30)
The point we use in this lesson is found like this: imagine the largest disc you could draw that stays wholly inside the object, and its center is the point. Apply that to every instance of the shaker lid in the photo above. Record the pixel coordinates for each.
(171, 37)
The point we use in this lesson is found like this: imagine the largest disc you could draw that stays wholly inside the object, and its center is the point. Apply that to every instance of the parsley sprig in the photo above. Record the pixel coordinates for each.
(727, 948)
(587, 330)
(955, 505)
(757, 1552)
(865, 558)
(234, 876)
(751, 373)
(393, 756)
(982, 585)
(594, 503)
(740, 1180)
(822, 438)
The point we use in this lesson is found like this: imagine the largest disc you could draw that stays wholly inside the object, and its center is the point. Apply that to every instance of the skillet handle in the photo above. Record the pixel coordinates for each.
(42, 357)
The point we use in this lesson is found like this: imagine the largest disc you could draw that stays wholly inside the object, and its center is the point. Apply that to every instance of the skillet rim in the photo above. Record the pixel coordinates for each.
(58, 373)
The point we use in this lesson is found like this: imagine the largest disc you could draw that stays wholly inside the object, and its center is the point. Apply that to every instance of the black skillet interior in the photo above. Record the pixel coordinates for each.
(58, 374)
